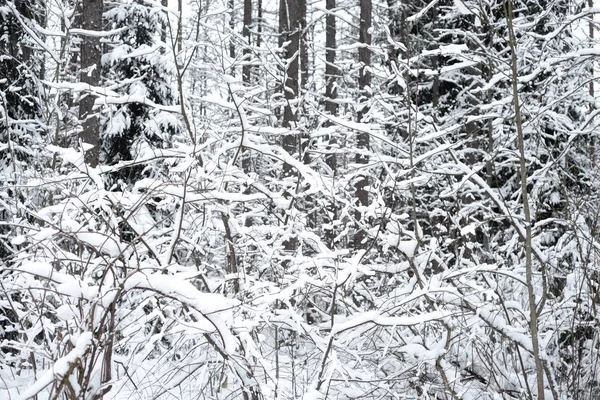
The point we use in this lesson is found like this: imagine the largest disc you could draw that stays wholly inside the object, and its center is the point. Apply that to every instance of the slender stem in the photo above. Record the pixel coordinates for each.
(533, 322)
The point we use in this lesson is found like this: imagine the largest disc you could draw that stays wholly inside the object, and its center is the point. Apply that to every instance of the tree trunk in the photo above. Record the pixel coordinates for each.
(290, 28)
(90, 73)
(331, 70)
(247, 72)
(247, 69)
(180, 32)
(291, 17)
(163, 30)
(331, 73)
(533, 316)
(231, 5)
(364, 83)
(259, 23)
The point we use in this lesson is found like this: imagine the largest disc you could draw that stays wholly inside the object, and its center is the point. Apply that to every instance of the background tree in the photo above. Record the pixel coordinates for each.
(22, 136)
(362, 138)
(141, 71)
(91, 69)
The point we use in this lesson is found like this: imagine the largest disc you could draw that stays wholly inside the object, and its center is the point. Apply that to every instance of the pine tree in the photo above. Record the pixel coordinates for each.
(20, 69)
(21, 131)
(21, 139)
(139, 68)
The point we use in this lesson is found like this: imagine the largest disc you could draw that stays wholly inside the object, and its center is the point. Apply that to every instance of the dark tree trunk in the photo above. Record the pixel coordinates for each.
(231, 5)
(291, 17)
(331, 73)
(364, 82)
(247, 72)
(163, 30)
(90, 73)
(331, 70)
(259, 22)
(247, 69)
(301, 26)
(289, 27)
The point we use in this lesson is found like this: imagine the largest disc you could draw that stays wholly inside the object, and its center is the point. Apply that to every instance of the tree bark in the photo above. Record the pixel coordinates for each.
(331, 106)
(331, 70)
(364, 83)
(231, 5)
(291, 16)
(259, 23)
(91, 67)
(290, 31)
(180, 31)
(247, 69)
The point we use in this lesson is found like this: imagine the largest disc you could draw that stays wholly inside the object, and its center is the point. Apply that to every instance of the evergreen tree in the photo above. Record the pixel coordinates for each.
(20, 69)
(138, 67)
(21, 131)
(21, 139)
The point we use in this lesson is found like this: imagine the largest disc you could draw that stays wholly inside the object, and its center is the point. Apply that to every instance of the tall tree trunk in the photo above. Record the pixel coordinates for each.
(259, 22)
(163, 30)
(301, 26)
(331, 106)
(247, 69)
(180, 32)
(90, 73)
(231, 5)
(247, 72)
(291, 17)
(364, 83)
(331, 70)
(591, 29)
(533, 314)
(42, 19)
(290, 28)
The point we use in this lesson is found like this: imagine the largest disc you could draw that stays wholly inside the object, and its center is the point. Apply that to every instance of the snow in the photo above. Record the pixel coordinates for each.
(65, 312)
(462, 8)
(446, 50)
(408, 247)
(425, 303)
(106, 99)
(176, 287)
(468, 230)
(375, 317)
(90, 33)
(44, 233)
(423, 11)
(101, 242)
(44, 270)
(437, 134)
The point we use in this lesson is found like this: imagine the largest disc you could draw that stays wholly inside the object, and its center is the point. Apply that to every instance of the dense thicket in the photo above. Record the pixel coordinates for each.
(291, 199)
